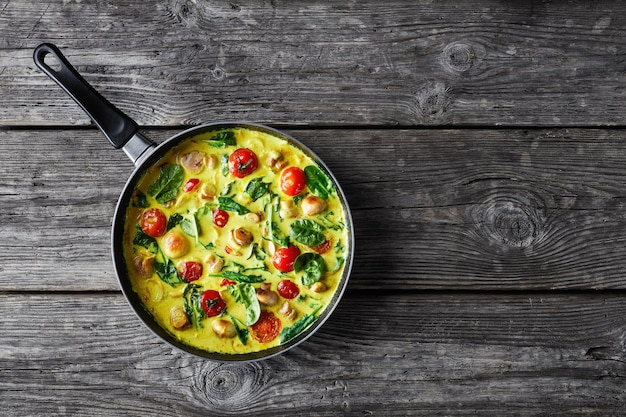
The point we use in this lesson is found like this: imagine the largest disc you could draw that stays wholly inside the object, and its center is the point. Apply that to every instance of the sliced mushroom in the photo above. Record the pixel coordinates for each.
(223, 328)
(287, 311)
(178, 318)
(241, 236)
(312, 205)
(193, 161)
(266, 296)
(144, 265)
(318, 287)
(287, 209)
(214, 264)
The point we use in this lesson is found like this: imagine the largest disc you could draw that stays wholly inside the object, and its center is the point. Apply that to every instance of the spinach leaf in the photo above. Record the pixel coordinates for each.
(148, 242)
(318, 182)
(257, 188)
(192, 296)
(299, 326)
(140, 200)
(307, 232)
(313, 266)
(222, 139)
(242, 332)
(228, 204)
(246, 294)
(239, 277)
(191, 226)
(274, 232)
(168, 273)
(166, 186)
(174, 220)
(224, 164)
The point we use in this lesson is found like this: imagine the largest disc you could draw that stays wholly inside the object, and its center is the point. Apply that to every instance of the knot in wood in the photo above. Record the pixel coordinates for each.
(231, 387)
(458, 57)
(432, 101)
(511, 223)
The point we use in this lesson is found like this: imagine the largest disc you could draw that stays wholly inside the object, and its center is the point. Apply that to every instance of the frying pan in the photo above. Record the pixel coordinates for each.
(124, 133)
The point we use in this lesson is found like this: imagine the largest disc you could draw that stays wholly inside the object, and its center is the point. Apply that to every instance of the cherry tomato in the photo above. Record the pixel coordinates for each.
(212, 303)
(266, 328)
(220, 217)
(284, 258)
(322, 248)
(153, 222)
(292, 181)
(242, 162)
(287, 289)
(190, 270)
(191, 185)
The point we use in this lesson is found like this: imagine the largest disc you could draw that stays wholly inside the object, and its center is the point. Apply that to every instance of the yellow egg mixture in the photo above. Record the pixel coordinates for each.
(224, 231)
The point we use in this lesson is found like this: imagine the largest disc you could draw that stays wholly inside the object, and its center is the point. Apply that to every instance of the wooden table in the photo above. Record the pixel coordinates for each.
(481, 146)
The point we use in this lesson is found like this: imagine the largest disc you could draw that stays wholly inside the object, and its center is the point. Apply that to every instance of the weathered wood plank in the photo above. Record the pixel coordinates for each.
(419, 354)
(300, 62)
(433, 209)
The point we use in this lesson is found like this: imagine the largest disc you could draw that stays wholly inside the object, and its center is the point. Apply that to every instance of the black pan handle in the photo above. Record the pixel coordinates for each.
(116, 126)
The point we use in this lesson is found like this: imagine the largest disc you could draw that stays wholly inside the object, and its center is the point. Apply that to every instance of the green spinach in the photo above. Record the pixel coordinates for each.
(148, 242)
(257, 188)
(228, 204)
(222, 139)
(313, 266)
(307, 232)
(318, 182)
(299, 326)
(166, 186)
(174, 220)
(239, 277)
(192, 304)
(245, 294)
(167, 272)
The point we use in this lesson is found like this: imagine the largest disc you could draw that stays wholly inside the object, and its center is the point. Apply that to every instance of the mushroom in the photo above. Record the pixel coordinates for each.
(178, 318)
(312, 205)
(287, 209)
(223, 328)
(241, 236)
(214, 263)
(193, 161)
(266, 296)
(175, 244)
(318, 287)
(144, 266)
(287, 311)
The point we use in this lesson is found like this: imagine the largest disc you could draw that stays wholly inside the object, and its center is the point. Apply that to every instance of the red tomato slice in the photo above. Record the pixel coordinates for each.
(287, 289)
(191, 185)
(292, 181)
(190, 271)
(242, 162)
(284, 258)
(266, 328)
(212, 303)
(220, 217)
(153, 222)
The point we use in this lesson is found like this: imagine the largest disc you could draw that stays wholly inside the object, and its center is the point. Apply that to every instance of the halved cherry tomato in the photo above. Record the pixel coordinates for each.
(284, 258)
(292, 181)
(242, 162)
(212, 303)
(287, 289)
(266, 328)
(153, 222)
(190, 270)
(322, 248)
(220, 217)
(191, 185)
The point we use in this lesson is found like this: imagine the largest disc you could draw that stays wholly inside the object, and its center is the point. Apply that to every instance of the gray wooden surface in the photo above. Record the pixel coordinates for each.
(481, 146)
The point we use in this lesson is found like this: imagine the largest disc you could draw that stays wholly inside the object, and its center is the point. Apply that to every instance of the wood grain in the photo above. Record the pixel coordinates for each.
(425, 354)
(433, 209)
(481, 63)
